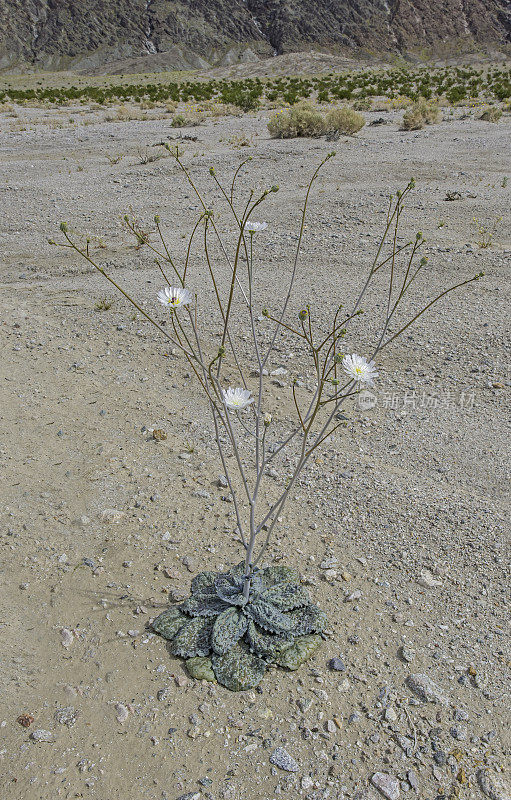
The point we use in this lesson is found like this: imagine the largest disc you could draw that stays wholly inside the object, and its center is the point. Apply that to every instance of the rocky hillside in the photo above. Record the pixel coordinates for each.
(57, 34)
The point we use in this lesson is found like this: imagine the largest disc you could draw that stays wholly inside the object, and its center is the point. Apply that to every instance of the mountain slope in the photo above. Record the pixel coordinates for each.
(72, 33)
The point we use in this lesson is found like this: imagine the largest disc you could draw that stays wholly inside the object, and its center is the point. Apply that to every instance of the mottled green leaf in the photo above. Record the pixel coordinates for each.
(302, 648)
(193, 639)
(271, 576)
(286, 596)
(200, 668)
(203, 585)
(238, 669)
(209, 607)
(169, 622)
(309, 619)
(268, 617)
(228, 629)
(264, 645)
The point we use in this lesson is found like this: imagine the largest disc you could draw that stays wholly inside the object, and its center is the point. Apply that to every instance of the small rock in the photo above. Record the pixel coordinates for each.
(390, 715)
(356, 595)
(25, 720)
(426, 689)
(279, 371)
(222, 482)
(112, 515)
(66, 638)
(122, 713)
(41, 735)
(492, 786)
(459, 732)
(387, 784)
(181, 680)
(329, 563)
(412, 779)
(66, 716)
(281, 759)
(337, 664)
(427, 580)
(407, 654)
(159, 435)
(189, 796)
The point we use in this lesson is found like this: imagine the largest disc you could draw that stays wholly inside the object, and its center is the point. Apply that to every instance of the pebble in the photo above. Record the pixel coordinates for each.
(66, 638)
(66, 716)
(492, 786)
(459, 732)
(40, 735)
(387, 784)
(427, 580)
(281, 759)
(112, 515)
(407, 654)
(426, 689)
(337, 664)
(412, 779)
(122, 713)
(390, 715)
(189, 796)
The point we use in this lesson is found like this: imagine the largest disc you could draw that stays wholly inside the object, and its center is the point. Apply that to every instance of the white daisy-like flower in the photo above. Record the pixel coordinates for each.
(255, 227)
(237, 399)
(175, 296)
(359, 369)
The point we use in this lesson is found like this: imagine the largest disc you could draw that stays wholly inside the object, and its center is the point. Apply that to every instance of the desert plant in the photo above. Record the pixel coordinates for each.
(301, 120)
(104, 304)
(344, 120)
(237, 622)
(491, 114)
(423, 112)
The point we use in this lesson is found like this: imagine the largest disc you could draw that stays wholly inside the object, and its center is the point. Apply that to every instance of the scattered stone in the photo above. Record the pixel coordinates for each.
(159, 435)
(281, 759)
(222, 482)
(66, 716)
(412, 779)
(427, 580)
(407, 654)
(459, 732)
(387, 784)
(66, 638)
(356, 595)
(25, 720)
(492, 786)
(337, 664)
(41, 735)
(275, 373)
(426, 689)
(112, 515)
(329, 563)
(189, 796)
(122, 713)
(390, 715)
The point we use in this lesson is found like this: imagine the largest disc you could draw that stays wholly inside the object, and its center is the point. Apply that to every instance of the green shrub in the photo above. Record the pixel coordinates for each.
(421, 113)
(491, 114)
(344, 120)
(301, 120)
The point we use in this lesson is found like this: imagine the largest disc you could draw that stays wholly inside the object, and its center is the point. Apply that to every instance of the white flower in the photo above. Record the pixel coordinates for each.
(175, 296)
(237, 399)
(255, 227)
(358, 368)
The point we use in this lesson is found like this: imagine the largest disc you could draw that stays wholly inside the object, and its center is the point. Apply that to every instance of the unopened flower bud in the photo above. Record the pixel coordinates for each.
(335, 381)
(211, 170)
(423, 261)
(418, 235)
(338, 358)
(221, 351)
(63, 227)
(274, 189)
(265, 312)
(303, 314)
(157, 219)
(267, 420)
(126, 218)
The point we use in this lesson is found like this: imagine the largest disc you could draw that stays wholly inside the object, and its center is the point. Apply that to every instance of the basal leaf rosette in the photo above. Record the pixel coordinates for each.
(226, 637)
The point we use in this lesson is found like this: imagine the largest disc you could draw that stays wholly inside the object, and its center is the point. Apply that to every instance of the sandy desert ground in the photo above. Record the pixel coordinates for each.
(400, 527)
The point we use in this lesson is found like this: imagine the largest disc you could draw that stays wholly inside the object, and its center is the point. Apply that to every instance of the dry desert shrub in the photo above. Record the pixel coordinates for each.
(491, 114)
(423, 112)
(300, 120)
(344, 120)
(125, 114)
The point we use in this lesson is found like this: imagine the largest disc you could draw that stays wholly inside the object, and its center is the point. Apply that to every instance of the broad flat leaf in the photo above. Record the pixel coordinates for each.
(238, 669)
(230, 589)
(208, 607)
(279, 574)
(302, 648)
(203, 585)
(169, 622)
(268, 617)
(309, 619)
(194, 638)
(228, 629)
(286, 596)
(200, 668)
(264, 645)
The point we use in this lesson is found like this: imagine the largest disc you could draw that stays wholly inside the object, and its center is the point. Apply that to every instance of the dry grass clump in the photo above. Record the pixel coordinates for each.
(125, 114)
(300, 120)
(423, 112)
(344, 120)
(491, 114)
